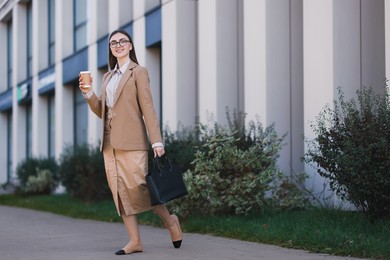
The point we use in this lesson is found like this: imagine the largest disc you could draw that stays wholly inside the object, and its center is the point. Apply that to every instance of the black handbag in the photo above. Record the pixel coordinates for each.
(165, 181)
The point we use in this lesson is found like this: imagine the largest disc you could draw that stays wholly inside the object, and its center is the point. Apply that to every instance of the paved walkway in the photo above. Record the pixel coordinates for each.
(34, 235)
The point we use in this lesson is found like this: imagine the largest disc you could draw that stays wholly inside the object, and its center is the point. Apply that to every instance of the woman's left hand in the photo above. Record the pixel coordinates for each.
(158, 151)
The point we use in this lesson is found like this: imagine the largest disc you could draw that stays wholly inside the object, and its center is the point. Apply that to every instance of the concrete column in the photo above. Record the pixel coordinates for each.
(139, 31)
(39, 104)
(318, 68)
(179, 63)
(113, 11)
(94, 15)
(64, 96)
(207, 59)
(273, 56)
(3, 116)
(3, 53)
(255, 73)
(19, 73)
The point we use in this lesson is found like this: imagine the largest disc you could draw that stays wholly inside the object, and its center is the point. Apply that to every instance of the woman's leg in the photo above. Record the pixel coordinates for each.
(132, 228)
(131, 225)
(171, 223)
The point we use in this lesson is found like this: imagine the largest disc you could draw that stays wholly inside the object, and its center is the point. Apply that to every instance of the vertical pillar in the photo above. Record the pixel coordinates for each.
(179, 63)
(94, 12)
(19, 72)
(113, 11)
(207, 58)
(139, 30)
(39, 104)
(254, 59)
(273, 56)
(318, 66)
(64, 96)
(3, 116)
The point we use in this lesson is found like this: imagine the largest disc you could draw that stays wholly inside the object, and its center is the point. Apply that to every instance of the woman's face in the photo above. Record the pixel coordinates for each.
(120, 45)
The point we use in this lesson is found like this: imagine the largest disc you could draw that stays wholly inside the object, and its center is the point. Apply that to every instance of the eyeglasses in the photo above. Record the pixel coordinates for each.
(122, 43)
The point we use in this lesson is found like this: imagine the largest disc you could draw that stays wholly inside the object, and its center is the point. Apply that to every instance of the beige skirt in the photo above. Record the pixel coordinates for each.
(126, 171)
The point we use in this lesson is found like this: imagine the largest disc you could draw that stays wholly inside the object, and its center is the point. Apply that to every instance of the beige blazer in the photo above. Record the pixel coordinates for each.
(133, 114)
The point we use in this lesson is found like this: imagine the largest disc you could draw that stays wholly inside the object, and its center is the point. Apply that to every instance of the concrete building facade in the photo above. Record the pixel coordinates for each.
(280, 60)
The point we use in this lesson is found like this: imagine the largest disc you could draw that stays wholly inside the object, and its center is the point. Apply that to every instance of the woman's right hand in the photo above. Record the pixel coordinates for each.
(81, 86)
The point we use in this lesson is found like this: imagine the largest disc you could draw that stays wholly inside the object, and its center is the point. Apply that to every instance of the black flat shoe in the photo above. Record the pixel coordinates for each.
(177, 243)
(123, 252)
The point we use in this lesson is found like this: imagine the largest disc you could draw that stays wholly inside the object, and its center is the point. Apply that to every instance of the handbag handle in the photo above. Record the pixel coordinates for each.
(164, 157)
(157, 161)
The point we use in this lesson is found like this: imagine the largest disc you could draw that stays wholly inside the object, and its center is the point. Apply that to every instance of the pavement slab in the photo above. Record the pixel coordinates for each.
(35, 235)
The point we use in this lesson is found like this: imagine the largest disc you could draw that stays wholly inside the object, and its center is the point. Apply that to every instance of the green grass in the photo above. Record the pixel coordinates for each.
(316, 230)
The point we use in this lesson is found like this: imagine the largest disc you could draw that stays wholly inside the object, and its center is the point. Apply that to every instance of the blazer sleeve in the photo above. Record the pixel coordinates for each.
(146, 104)
(95, 104)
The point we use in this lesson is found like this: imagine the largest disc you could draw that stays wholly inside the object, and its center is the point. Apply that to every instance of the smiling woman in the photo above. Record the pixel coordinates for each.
(125, 106)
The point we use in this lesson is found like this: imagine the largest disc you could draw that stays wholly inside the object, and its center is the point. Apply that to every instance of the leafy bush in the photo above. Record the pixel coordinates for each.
(40, 184)
(31, 167)
(288, 192)
(181, 146)
(227, 179)
(352, 150)
(82, 172)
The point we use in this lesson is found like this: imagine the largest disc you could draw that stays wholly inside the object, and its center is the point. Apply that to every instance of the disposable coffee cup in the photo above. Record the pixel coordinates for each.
(86, 78)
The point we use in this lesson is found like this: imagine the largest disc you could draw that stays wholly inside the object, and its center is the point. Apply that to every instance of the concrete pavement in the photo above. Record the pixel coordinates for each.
(34, 235)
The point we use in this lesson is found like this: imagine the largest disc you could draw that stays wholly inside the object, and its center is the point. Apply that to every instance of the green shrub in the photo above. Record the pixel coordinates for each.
(227, 179)
(181, 146)
(352, 150)
(30, 167)
(40, 184)
(82, 172)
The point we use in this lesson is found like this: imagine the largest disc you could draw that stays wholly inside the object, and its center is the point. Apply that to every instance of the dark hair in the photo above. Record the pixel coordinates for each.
(111, 59)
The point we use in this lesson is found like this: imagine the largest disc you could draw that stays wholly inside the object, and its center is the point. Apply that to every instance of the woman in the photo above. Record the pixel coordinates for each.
(128, 117)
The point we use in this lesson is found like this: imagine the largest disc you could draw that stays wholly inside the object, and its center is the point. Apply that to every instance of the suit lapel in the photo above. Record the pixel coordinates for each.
(124, 79)
(104, 86)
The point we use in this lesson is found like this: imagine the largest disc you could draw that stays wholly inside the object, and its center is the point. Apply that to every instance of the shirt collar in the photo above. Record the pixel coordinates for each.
(123, 68)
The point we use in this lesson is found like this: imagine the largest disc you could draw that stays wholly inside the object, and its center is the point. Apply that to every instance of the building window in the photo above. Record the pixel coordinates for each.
(51, 126)
(9, 147)
(151, 4)
(80, 119)
(28, 131)
(9, 54)
(80, 24)
(29, 40)
(51, 29)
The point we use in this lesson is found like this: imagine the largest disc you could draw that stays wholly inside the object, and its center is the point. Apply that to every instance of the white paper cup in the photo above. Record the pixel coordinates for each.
(86, 78)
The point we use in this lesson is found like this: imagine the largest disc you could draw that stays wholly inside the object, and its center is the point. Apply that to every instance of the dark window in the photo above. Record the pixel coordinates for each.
(80, 118)
(80, 24)
(29, 40)
(51, 29)
(9, 54)
(28, 131)
(9, 146)
(51, 126)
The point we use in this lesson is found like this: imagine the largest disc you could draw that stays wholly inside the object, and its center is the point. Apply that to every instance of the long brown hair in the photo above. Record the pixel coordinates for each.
(112, 61)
